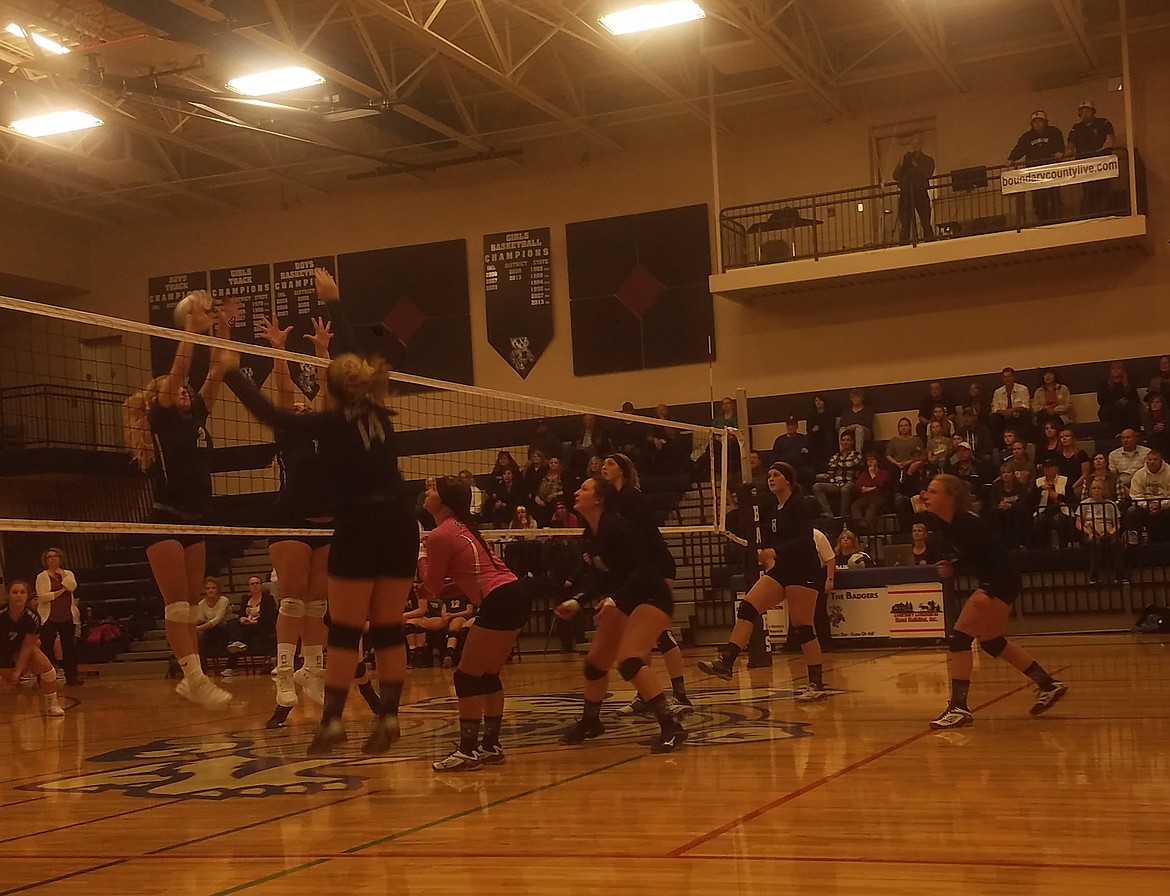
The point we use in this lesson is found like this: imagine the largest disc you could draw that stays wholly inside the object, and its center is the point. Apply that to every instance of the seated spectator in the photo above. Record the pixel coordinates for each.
(1127, 460)
(459, 614)
(1156, 422)
(759, 475)
(548, 489)
(938, 444)
(478, 498)
(212, 618)
(1099, 522)
(837, 483)
(589, 440)
(849, 553)
(1011, 405)
(256, 617)
(899, 448)
(1022, 465)
(535, 471)
(925, 553)
(727, 416)
(935, 396)
(822, 433)
(857, 418)
(433, 625)
(544, 440)
(735, 522)
(1149, 494)
(1100, 472)
(978, 403)
(1008, 507)
(629, 436)
(873, 493)
(966, 466)
(969, 429)
(1049, 444)
(939, 415)
(505, 498)
(521, 519)
(1008, 450)
(563, 516)
(912, 485)
(416, 636)
(1118, 405)
(1052, 400)
(1073, 462)
(1054, 504)
(505, 461)
(668, 450)
(792, 447)
(1160, 383)
(593, 470)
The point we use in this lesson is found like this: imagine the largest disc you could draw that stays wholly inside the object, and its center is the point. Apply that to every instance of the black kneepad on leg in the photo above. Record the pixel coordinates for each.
(344, 637)
(383, 636)
(667, 642)
(467, 685)
(630, 667)
(491, 684)
(748, 612)
(593, 673)
(959, 642)
(804, 633)
(994, 646)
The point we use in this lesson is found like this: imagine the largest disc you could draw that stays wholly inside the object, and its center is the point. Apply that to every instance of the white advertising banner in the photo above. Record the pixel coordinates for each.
(1059, 174)
(912, 610)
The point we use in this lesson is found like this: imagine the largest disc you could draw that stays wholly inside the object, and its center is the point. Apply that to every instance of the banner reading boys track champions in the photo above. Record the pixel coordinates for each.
(518, 286)
(1059, 174)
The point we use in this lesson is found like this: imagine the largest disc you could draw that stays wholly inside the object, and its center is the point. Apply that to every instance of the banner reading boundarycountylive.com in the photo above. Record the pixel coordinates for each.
(1059, 174)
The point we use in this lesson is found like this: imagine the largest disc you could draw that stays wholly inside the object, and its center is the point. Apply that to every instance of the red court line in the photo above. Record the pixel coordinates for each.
(820, 782)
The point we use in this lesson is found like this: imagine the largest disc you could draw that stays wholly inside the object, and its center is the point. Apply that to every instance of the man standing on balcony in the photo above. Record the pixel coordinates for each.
(1039, 145)
(1091, 136)
(913, 178)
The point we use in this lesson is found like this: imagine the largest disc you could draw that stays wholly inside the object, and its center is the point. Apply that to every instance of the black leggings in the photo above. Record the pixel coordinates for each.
(50, 631)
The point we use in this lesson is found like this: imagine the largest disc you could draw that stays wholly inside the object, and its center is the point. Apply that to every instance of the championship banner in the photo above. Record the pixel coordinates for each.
(163, 294)
(251, 285)
(518, 286)
(1059, 174)
(297, 304)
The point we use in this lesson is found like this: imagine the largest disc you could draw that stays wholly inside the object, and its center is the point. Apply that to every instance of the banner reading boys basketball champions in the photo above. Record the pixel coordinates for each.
(518, 285)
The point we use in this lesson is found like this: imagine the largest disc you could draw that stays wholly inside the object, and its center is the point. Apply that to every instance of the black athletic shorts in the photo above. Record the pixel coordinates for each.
(167, 517)
(375, 541)
(312, 541)
(803, 569)
(1006, 588)
(656, 594)
(507, 608)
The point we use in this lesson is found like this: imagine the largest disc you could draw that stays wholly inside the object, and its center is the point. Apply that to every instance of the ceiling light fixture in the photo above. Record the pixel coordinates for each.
(651, 15)
(56, 123)
(280, 80)
(49, 46)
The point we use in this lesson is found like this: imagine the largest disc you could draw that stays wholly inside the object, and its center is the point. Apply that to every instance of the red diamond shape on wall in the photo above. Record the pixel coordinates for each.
(640, 291)
(404, 319)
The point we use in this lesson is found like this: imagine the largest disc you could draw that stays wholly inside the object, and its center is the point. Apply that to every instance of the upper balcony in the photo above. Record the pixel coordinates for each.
(979, 220)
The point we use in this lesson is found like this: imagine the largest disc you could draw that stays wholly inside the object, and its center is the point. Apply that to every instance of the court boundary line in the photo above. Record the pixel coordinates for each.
(739, 821)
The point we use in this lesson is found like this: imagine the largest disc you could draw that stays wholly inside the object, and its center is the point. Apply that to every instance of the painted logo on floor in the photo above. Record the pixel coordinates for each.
(255, 764)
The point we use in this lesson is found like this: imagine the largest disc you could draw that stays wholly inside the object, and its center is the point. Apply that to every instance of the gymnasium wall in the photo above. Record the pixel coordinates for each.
(953, 325)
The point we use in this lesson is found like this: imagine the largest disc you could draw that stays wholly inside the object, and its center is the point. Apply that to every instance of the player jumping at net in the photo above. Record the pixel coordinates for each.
(166, 431)
(305, 501)
(975, 548)
(634, 607)
(375, 537)
(20, 627)
(792, 568)
(620, 472)
(457, 551)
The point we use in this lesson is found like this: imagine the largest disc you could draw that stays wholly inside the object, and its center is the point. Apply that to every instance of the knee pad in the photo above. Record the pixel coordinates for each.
(667, 642)
(993, 647)
(748, 612)
(49, 677)
(804, 633)
(410, 628)
(180, 611)
(382, 637)
(344, 637)
(959, 642)
(593, 673)
(467, 685)
(630, 667)
(292, 607)
(315, 609)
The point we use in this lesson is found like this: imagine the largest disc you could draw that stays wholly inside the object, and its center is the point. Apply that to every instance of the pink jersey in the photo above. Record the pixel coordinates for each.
(454, 553)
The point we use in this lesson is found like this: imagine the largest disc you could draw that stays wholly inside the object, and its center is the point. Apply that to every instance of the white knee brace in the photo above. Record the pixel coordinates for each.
(181, 611)
(49, 677)
(315, 609)
(292, 607)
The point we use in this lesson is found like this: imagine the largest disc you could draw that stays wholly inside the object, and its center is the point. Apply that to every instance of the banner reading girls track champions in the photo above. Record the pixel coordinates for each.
(251, 286)
(518, 287)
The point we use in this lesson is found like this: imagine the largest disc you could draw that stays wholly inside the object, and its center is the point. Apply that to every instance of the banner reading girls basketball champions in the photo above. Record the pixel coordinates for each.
(518, 286)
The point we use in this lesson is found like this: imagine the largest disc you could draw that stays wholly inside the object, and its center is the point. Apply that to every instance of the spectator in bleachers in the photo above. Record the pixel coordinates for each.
(1023, 466)
(759, 475)
(969, 429)
(912, 175)
(534, 472)
(505, 461)
(521, 519)
(1099, 522)
(563, 516)
(1008, 507)
(478, 498)
(668, 450)
(792, 447)
(1127, 459)
(934, 396)
(1040, 144)
(899, 448)
(628, 435)
(1118, 405)
(1156, 422)
(212, 617)
(973, 471)
(978, 403)
(550, 487)
(837, 483)
(57, 609)
(591, 439)
(1052, 400)
(1074, 463)
(1100, 472)
(594, 469)
(1054, 505)
(849, 552)
(822, 433)
(1011, 405)
(1160, 382)
(256, 617)
(938, 444)
(925, 553)
(1049, 444)
(939, 415)
(735, 522)
(1149, 492)
(1091, 136)
(727, 415)
(912, 485)
(873, 493)
(505, 498)
(544, 440)
(858, 419)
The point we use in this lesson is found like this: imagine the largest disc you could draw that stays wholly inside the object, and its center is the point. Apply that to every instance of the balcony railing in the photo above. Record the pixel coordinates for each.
(964, 202)
(53, 416)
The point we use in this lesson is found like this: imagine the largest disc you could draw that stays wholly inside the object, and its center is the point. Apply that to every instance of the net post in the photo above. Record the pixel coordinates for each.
(749, 496)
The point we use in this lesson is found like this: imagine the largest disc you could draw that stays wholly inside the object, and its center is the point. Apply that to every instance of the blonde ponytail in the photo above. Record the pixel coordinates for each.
(360, 387)
(136, 423)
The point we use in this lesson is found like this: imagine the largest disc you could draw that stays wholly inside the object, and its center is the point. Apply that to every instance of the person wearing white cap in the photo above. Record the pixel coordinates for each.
(1040, 144)
(1091, 136)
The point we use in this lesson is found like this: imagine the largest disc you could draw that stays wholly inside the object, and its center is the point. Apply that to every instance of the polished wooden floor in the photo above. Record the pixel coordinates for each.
(133, 792)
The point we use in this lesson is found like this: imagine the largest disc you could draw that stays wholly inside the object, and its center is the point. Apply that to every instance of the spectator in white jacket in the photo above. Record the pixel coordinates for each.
(57, 608)
(1149, 490)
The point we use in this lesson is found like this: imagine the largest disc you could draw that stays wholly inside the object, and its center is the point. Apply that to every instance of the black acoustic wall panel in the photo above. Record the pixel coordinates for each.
(638, 291)
(410, 304)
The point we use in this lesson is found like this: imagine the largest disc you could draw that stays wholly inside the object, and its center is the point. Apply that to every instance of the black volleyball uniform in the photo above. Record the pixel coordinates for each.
(632, 505)
(788, 530)
(182, 467)
(622, 567)
(975, 549)
(306, 494)
(456, 603)
(13, 633)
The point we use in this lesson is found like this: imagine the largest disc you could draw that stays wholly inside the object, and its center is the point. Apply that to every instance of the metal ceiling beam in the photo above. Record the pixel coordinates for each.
(432, 40)
(1072, 19)
(744, 18)
(927, 43)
